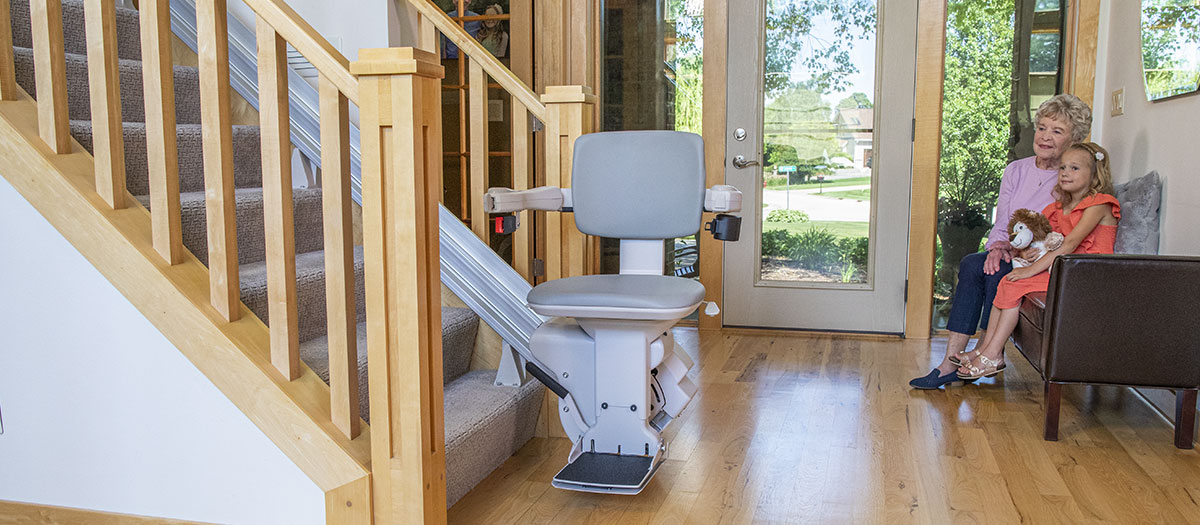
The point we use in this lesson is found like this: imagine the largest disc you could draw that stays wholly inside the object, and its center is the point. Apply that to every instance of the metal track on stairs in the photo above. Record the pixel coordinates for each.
(483, 280)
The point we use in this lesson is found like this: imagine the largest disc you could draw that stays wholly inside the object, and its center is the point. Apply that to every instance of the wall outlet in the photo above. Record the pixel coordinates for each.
(1118, 102)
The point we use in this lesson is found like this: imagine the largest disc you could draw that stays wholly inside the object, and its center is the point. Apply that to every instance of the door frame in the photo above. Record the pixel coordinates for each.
(930, 71)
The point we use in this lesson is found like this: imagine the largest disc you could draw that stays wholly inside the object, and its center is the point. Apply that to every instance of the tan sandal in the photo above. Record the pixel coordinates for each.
(991, 368)
(961, 358)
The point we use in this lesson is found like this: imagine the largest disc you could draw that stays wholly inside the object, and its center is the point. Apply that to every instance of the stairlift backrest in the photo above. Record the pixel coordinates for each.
(638, 184)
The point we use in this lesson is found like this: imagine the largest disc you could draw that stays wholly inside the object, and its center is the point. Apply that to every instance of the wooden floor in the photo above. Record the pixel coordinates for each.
(791, 428)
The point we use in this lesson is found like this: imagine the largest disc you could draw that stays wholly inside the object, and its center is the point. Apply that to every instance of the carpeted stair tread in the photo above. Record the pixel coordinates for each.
(251, 236)
(484, 424)
(129, 44)
(133, 106)
(247, 155)
(459, 326)
(310, 291)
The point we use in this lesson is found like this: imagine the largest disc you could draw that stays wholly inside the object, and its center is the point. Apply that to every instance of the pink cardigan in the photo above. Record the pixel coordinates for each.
(1023, 185)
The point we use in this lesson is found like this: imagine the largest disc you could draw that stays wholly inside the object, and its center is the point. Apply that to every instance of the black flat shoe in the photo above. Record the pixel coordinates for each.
(933, 380)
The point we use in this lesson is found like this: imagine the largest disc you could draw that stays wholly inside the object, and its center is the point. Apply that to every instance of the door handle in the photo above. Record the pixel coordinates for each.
(740, 162)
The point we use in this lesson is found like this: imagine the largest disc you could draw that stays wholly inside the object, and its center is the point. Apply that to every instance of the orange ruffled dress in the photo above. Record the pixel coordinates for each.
(1101, 240)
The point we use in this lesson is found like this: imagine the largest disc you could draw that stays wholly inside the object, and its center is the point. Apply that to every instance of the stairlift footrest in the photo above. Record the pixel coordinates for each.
(613, 473)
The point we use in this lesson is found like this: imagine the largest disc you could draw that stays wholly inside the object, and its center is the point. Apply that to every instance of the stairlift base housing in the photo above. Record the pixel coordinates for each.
(608, 351)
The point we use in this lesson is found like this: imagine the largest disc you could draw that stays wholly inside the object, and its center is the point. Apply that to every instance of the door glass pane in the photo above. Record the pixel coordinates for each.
(817, 136)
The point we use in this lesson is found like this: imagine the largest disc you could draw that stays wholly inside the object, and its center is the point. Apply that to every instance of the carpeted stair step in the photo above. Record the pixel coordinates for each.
(459, 326)
(310, 291)
(129, 43)
(247, 155)
(133, 106)
(251, 236)
(484, 423)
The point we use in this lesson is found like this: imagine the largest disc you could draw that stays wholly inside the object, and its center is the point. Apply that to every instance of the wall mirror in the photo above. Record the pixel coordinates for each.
(1170, 47)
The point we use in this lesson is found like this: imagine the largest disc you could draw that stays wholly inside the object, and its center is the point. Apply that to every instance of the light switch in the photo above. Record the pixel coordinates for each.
(1118, 102)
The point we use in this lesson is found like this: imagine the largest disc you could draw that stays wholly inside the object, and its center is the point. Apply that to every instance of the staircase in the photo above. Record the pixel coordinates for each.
(484, 424)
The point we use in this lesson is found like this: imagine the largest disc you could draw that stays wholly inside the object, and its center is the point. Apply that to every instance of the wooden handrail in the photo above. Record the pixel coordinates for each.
(473, 49)
(8, 74)
(308, 42)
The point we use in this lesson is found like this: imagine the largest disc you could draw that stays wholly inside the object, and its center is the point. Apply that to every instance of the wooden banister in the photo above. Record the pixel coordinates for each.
(104, 83)
(162, 152)
(402, 183)
(212, 35)
(339, 258)
(50, 70)
(308, 42)
(277, 199)
(8, 73)
(478, 130)
(473, 49)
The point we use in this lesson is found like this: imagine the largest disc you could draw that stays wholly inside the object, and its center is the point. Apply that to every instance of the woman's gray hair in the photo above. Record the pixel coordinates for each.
(1072, 109)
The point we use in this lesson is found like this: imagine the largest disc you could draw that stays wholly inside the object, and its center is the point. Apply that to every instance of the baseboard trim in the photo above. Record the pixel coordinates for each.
(18, 513)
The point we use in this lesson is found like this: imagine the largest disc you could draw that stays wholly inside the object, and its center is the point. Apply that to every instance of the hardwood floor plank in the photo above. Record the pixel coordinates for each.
(817, 428)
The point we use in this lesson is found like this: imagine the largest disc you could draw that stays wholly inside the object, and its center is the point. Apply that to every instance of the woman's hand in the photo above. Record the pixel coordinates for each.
(1000, 251)
(1020, 273)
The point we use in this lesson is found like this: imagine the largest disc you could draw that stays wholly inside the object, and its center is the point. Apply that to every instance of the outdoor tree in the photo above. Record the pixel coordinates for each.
(687, 58)
(856, 101)
(789, 25)
(975, 109)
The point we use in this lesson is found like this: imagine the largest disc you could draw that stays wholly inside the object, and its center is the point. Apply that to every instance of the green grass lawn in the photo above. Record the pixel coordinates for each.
(855, 181)
(858, 195)
(837, 228)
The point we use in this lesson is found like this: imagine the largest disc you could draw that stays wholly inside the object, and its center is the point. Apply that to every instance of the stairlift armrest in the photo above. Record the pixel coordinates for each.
(545, 198)
(722, 199)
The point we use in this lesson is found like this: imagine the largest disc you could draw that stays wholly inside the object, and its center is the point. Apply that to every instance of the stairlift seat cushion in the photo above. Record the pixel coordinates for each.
(650, 297)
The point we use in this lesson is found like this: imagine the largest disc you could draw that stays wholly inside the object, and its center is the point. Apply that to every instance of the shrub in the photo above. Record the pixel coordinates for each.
(787, 216)
(816, 249)
(854, 251)
(777, 243)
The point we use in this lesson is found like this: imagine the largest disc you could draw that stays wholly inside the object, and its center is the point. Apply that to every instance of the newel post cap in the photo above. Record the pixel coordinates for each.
(568, 94)
(397, 61)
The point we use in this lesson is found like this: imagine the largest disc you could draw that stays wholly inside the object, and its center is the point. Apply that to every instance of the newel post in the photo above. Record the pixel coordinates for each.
(569, 114)
(400, 102)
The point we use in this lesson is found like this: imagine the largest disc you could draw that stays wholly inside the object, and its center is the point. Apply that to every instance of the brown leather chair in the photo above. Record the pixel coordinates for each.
(1127, 320)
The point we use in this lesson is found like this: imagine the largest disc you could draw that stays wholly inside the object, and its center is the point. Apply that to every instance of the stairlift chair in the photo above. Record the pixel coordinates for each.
(608, 352)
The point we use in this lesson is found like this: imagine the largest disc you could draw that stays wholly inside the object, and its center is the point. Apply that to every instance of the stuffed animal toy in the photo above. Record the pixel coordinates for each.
(1030, 234)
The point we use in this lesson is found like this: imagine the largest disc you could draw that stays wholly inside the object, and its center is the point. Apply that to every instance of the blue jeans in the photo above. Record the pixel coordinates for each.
(974, 294)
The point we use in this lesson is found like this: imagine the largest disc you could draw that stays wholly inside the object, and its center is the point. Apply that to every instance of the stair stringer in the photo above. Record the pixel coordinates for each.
(235, 356)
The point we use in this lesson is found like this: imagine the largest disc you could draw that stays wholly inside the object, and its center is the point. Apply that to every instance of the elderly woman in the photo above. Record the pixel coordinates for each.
(1027, 183)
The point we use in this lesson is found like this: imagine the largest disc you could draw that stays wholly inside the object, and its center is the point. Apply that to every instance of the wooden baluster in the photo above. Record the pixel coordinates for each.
(478, 125)
(277, 200)
(8, 77)
(162, 153)
(339, 259)
(50, 65)
(212, 33)
(521, 148)
(427, 34)
(104, 83)
(400, 97)
(569, 115)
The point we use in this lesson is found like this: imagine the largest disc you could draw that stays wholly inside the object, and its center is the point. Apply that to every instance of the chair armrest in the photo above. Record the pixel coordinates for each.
(1123, 319)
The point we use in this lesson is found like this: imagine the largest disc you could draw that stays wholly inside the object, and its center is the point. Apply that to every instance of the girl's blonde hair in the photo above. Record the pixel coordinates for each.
(1101, 174)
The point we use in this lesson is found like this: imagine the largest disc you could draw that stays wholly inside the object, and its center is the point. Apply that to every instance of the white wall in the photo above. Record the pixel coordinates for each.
(101, 412)
(1160, 136)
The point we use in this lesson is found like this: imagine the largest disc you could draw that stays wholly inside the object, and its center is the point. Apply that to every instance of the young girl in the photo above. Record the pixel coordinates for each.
(1086, 213)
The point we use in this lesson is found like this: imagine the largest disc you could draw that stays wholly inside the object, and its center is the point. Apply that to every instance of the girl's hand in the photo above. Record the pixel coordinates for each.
(1020, 273)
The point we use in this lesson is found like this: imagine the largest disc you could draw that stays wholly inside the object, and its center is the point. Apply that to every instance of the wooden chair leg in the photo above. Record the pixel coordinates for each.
(1053, 399)
(1185, 417)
